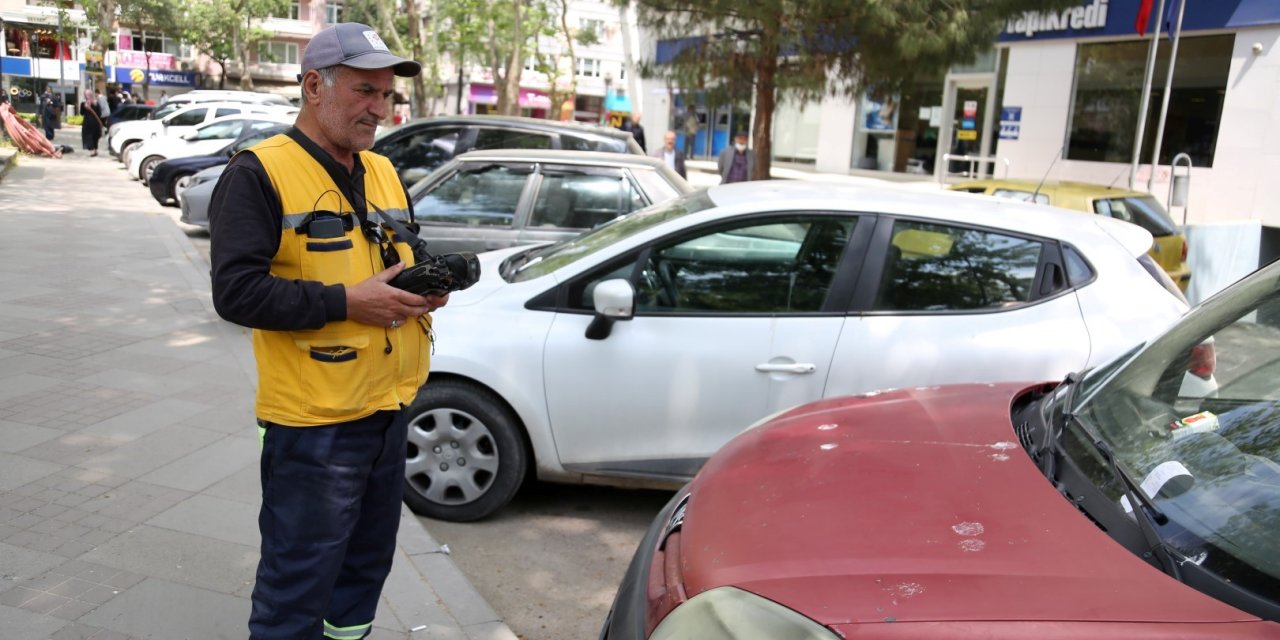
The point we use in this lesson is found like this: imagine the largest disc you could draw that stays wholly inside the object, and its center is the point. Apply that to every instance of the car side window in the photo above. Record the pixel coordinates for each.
(189, 118)
(1020, 196)
(654, 184)
(228, 111)
(580, 200)
(507, 139)
(778, 266)
(932, 267)
(416, 155)
(580, 143)
(487, 198)
(220, 130)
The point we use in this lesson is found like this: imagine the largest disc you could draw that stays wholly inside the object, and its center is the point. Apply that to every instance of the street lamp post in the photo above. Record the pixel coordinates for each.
(608, 88)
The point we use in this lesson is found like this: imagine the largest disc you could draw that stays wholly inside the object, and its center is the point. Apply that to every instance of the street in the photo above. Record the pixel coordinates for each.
(550, 562)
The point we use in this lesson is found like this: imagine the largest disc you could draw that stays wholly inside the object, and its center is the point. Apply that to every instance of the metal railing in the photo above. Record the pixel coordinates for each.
(973, 162)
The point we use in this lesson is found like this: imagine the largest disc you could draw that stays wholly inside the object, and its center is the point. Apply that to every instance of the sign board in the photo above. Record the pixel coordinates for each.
(970, 108)
(93, 61)
(155, 77)
(1010, 123)
(967, 134)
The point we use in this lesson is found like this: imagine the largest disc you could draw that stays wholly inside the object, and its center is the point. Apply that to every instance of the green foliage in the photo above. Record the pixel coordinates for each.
(75, 120)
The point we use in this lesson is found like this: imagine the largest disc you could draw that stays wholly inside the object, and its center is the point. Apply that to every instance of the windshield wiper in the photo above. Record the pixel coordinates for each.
(1145, 512)
(1053, 430)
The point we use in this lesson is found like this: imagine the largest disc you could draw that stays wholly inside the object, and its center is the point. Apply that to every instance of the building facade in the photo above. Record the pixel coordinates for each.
(1058, 97)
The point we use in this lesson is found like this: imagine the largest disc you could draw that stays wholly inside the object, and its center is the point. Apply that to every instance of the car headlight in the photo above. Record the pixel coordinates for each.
(733, 614)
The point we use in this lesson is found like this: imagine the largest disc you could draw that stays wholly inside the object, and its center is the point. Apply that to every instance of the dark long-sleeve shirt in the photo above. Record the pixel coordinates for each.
(244, 233)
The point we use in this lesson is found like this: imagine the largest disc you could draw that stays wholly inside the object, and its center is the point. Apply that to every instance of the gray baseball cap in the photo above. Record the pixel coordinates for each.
(354, 45)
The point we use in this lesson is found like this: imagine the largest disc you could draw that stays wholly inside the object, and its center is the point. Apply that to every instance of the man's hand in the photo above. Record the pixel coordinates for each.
(375, 302)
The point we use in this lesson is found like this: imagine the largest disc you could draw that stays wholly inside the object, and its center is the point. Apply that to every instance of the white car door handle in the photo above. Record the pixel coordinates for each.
(798, 367)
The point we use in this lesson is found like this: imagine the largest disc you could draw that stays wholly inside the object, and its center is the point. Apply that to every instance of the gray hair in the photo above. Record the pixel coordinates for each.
(329, 75)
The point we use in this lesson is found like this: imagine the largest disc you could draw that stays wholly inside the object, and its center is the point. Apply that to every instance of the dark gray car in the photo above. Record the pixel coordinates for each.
(496, 199)
(418, 147)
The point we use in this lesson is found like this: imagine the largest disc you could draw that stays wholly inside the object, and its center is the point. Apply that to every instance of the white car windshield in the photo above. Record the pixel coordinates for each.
(540, 261)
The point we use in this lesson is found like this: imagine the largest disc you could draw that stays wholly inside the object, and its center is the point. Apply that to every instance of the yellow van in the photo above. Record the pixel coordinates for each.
(1170, 247)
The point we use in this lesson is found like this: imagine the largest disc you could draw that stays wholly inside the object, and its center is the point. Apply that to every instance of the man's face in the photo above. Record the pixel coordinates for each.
(349, 112)
(669, 140)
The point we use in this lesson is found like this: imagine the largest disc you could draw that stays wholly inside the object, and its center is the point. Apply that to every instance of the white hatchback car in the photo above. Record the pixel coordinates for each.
(206, 138)
(130, 134)
(629, 354)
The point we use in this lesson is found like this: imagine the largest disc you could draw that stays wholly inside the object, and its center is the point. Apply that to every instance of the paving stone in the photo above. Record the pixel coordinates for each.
(179, 557)
(18, 436)
(17, 470)
(20, 623)
(206, 465)
(141, 456)
(145, 611)
(212, 517)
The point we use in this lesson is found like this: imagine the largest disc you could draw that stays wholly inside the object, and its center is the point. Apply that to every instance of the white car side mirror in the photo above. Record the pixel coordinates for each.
(613, 300)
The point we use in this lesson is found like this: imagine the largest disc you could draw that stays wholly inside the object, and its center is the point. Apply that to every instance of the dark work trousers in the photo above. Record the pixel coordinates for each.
(330, 510)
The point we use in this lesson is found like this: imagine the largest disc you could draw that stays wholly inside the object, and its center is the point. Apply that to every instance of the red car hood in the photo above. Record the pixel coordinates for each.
(914, 506)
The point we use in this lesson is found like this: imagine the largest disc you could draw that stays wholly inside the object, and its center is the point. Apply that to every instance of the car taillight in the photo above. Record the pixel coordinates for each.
(1184, 250)
(1203, 361)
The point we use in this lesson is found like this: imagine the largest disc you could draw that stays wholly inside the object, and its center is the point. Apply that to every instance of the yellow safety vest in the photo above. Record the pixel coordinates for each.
(344, 370)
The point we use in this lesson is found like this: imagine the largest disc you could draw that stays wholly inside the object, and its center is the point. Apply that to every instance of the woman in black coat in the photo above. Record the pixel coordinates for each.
(92, 126)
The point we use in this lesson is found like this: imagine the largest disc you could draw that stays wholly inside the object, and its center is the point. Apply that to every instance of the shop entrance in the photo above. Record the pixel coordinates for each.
(966, 137)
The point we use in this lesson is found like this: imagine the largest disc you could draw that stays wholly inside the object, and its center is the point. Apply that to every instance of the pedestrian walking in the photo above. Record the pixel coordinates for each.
(48, 113)
(632, 124)
(92, 124)
(670, 155)
(690, 131)
(735, 162)
(339, 351)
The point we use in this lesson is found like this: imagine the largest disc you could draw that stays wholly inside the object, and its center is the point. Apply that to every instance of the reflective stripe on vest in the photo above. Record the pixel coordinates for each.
(344, 370)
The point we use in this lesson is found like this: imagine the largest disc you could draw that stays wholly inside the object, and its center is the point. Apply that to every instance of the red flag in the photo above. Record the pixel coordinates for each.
(1144, 16)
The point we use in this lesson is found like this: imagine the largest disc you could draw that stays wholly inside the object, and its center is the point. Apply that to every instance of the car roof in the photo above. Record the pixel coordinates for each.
(563, 156)
(953, 206)
(1062, 187)
(515, 122)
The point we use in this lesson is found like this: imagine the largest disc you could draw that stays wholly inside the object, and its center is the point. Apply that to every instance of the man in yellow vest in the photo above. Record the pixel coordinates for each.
(300, 256)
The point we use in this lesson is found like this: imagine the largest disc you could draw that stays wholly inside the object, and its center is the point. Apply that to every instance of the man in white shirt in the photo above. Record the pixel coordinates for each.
(670, 154)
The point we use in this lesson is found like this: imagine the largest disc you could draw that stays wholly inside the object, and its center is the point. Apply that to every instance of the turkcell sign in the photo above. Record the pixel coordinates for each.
(1083, 18)
(155, 76)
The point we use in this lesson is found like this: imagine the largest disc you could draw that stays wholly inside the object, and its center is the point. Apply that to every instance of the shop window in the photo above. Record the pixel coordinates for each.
(1108, 87)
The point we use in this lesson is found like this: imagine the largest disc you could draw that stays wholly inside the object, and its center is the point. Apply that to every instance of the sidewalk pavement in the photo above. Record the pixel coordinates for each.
(128, 449)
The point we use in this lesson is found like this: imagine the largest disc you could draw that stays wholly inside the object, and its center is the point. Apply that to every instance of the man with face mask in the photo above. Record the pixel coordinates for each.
(735, 162)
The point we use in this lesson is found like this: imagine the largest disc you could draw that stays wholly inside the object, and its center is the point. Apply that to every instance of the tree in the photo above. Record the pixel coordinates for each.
(245, 32)
(501, 33)
(205, 26)
(150, 15)
(102, 14)
(802, 50)
(552, 64)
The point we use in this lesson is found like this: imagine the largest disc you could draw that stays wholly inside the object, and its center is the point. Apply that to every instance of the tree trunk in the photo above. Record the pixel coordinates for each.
(572, 92)
(766, 94)
(415, 52)
(242, 52)
(508, 86)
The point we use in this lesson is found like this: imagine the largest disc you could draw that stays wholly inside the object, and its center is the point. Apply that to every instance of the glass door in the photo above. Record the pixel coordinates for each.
(967, 135)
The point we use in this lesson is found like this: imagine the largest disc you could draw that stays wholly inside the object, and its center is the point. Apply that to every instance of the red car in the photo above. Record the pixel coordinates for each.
(1103, 506)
